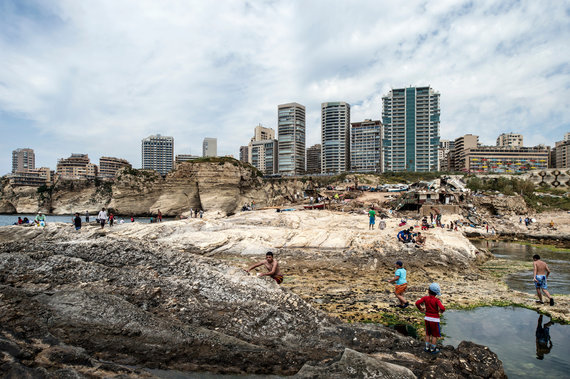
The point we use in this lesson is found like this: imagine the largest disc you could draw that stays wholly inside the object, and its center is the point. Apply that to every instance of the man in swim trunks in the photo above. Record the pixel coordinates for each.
(401, 284)
(272, 268)
(540, 275)
(372, 215)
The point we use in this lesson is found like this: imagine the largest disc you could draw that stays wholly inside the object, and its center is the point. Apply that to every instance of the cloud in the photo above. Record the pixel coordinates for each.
(97, 77)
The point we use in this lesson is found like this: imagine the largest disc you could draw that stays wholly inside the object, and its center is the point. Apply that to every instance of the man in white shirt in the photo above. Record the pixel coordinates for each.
(102, 217)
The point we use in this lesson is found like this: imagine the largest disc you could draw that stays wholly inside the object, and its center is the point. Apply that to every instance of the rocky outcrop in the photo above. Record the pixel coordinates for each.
(101, 302)
(221, 185)
(500, 205)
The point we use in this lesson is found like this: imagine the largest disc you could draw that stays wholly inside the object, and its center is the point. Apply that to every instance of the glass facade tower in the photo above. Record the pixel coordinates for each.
(410, 137)
(335, 137)
(291, 138)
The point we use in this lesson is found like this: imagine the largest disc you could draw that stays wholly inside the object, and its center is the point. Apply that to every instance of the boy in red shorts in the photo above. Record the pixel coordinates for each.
(433, 308)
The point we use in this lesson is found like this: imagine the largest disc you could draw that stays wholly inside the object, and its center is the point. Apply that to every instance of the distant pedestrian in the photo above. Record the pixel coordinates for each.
(77, 221)
(159, 216)
(401, 284)
(433, 307)
(86, 216)
(111, 219)
(372, 218)
(102, 217)
(431, 218)
(132, 218)
(201, 213)
(540, 275)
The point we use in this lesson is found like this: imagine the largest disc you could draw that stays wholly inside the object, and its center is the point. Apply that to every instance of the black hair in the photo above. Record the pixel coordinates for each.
(432, 293)
(269, 253)
(536, 257)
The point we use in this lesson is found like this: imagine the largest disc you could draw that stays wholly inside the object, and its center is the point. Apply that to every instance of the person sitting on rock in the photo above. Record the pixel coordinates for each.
(420, 240)
(272, 268)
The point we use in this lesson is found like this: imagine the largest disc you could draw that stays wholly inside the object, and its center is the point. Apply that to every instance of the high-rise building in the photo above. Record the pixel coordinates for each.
(261, 133)
(158, 153)
(262, 151)
(461, 144)
(444, 154)
(263, 155)
(23, 160)
(410, 140)
(510, 140)
(365, 147)
(291, 131)
(561, 153)
(77, 166)
(314, 159)
(244, 154)
(210, 147)
(108, 166)
(335, 137)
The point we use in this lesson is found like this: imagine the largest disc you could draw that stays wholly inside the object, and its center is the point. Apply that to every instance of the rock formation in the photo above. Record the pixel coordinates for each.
(115, 302)
(219, 185)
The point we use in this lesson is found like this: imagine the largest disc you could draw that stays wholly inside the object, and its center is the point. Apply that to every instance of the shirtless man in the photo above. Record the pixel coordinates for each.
(272, 268)
(420, 240)
(540, 275)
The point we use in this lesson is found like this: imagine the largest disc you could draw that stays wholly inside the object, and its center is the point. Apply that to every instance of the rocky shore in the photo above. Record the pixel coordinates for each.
(174, 296)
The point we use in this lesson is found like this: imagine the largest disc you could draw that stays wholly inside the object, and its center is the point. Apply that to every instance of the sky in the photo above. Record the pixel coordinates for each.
(97, 77)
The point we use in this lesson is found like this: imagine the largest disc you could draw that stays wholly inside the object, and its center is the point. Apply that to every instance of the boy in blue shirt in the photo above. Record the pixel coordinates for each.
(401, 284)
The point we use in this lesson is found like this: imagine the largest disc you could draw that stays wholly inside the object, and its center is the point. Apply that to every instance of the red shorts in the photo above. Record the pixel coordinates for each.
(432, 328)
(278, 278)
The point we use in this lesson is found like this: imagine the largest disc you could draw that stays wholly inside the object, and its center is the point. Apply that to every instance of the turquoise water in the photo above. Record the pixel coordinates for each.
(511, 333)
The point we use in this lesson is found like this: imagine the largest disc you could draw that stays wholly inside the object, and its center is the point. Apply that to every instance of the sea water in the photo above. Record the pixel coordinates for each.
(511, 333)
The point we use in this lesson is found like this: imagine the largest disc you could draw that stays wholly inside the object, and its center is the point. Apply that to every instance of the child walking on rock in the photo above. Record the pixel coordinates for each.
(432, 309)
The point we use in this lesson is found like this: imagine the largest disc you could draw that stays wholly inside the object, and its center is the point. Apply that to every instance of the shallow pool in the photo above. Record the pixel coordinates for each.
(558, 261)
(518, 336)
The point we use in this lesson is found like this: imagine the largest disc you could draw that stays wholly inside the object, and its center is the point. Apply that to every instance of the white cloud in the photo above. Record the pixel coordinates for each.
(97, 77)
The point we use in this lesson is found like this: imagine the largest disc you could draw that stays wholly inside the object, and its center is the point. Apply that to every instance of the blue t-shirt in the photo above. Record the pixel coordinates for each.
(401, 274)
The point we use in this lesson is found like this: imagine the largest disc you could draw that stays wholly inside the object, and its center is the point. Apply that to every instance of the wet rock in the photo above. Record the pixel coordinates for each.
(353, 364)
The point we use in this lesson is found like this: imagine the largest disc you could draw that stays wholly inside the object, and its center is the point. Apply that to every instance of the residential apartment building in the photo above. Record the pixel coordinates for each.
(335, 137)
(444, 155)
(262, 133)
(461, 144)
(263, 150)
(410, 137)
(244, 153)
(210, 147)
(108, 166)
(158, 153)
(291, 137)
(77, 166)
(561, 153)
(510, 140)
(264, 155)
(365, 146)
(509, 160)
(23, 160)
(314, 159)
(35, 177)
(181, 158)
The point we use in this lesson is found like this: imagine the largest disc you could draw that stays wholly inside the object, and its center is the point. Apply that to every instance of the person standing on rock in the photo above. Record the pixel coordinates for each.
(159, 216)
(87, 216)
(433, 307)
(372, 216)
(77, 221)
(401, 284)
(102, 217)
(272, 268)
(540, 275)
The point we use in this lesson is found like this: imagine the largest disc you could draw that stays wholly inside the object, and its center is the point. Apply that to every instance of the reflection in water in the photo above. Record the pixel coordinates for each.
(543, 341)
(510, 333)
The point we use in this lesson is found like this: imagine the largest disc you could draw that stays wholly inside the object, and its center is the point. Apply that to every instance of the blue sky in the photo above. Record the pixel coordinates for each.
(97, 77)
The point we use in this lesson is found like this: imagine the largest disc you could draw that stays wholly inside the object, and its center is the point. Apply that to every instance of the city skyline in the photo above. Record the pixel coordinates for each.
(97, 78)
